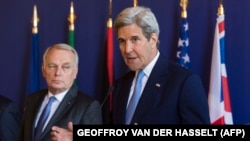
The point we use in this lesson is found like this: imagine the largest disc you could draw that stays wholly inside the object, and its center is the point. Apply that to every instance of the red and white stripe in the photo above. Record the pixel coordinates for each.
(218, 96)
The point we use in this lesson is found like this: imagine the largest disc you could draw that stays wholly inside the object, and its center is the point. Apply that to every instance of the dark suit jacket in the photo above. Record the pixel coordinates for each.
(9, 120)
(172, 95)
(76, 107)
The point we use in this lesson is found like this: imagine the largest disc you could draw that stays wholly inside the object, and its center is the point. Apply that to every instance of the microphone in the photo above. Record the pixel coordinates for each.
(110, 90)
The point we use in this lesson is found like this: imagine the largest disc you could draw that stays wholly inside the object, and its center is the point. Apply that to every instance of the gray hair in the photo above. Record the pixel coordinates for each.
(62, 46)
(142, 16)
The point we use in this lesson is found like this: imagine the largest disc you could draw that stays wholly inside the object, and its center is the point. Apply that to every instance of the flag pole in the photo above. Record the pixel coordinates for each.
(184, 4)
(109, 22)
(72, 17)
(220, 9)
(35, 21)
(135, 3)
(110, 8)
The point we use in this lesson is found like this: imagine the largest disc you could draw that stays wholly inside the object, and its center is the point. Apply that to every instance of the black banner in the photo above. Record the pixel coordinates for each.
(224, 132)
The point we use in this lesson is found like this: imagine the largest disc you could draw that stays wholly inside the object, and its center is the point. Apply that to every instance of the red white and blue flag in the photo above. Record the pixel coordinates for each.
(218, 96)
(183, 45)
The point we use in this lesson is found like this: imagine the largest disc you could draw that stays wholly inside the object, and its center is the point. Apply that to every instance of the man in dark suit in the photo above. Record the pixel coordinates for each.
(9, 120)
(60, 67)
(170, 93)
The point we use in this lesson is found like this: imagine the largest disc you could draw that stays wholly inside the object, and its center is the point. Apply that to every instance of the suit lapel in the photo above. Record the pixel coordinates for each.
(66, 103)
(38, 99)
(123, 93)
(155, 85)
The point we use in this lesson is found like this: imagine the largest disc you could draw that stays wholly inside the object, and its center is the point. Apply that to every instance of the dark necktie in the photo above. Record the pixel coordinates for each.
(135, 98)
(43, 118)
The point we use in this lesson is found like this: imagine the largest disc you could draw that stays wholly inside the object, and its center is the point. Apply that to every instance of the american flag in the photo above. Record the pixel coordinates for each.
(218, 96)
(183, 45)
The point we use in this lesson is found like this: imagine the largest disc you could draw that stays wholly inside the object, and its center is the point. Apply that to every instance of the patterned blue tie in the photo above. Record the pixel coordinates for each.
(135, 98)
(43, 118)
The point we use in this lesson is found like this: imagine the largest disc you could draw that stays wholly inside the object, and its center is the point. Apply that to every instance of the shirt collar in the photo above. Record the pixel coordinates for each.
(147, 70)
(58, 96)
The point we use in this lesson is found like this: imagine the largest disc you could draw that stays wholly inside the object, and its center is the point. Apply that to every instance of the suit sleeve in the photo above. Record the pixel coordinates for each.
(93, 114)
(193, 101)
(10, 123)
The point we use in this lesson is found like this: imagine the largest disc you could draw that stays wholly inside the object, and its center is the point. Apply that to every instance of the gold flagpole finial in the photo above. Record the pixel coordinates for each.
(220, 9)
(184, 4)
(135, 3)
(71, 17)
(35, 20)
(109, 22)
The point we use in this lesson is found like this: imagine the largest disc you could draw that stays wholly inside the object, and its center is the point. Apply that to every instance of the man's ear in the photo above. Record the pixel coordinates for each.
(43, 70)
(154, 39)
(75, 72)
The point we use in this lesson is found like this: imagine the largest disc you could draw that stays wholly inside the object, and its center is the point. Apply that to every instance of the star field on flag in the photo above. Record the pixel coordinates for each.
(183, 45)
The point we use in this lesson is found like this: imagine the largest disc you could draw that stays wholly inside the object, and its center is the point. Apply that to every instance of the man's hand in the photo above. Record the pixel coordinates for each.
(61, 134)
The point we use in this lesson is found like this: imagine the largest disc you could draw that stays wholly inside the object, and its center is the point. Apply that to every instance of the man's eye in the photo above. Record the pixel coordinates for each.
(66, 67)
(121, 41)
(52, 66)
(134, 39)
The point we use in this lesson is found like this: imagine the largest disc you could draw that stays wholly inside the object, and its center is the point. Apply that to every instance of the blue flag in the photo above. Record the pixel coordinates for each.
(183, 45)
(34, 66)
(33, 80)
